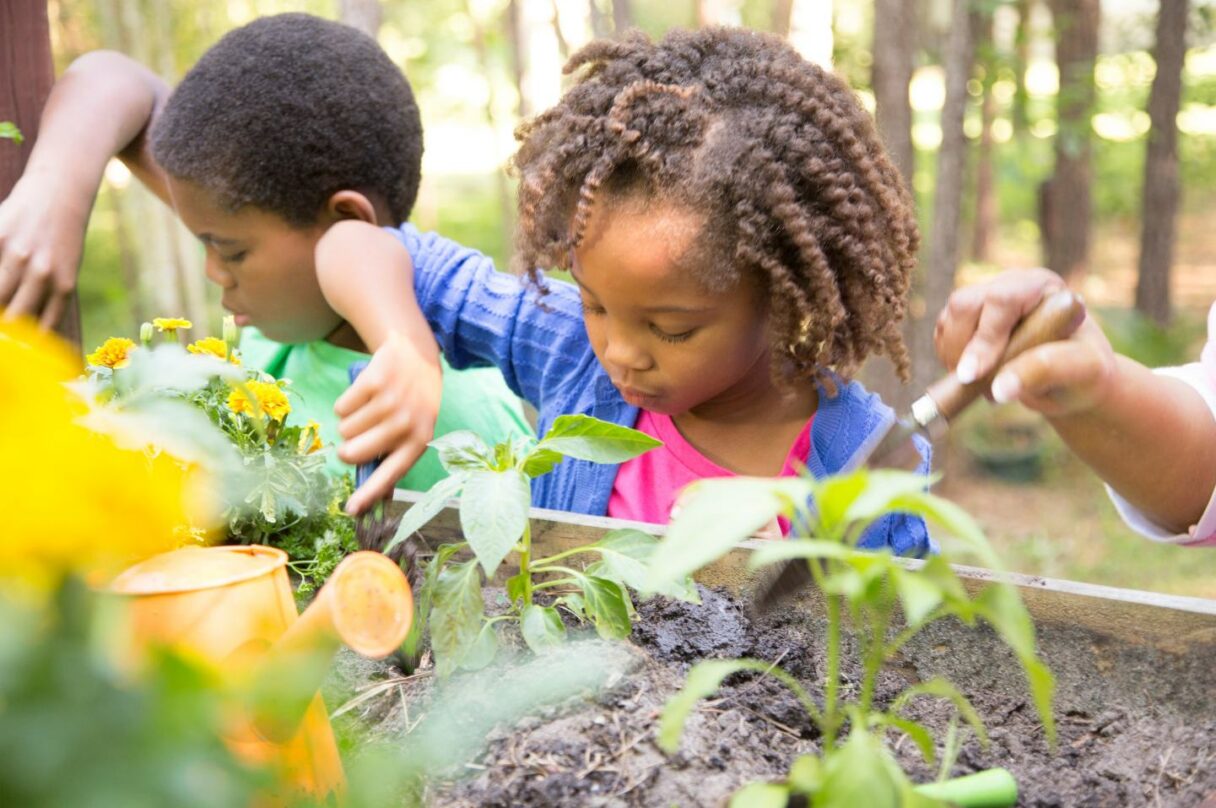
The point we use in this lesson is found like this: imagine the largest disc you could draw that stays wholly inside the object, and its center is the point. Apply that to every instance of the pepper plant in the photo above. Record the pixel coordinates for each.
(495, 492)
(868, 588)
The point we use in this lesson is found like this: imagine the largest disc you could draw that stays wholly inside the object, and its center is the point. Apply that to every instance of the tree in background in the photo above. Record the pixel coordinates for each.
(25, 61)
(1066, 202)
(1161, 187)
(894, 61)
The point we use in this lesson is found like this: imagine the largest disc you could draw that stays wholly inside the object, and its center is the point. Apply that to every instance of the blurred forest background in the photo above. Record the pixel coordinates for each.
(1075, 134)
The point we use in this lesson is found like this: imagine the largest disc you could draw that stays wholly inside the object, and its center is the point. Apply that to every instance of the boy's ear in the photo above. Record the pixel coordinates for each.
(351, 205)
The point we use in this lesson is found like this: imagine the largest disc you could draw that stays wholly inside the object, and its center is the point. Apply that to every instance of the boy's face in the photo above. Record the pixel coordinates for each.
(265, 266)
(669, 344)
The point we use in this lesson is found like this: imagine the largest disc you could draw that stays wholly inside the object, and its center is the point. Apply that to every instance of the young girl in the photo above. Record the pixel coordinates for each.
(1148, 434)
(739, 244)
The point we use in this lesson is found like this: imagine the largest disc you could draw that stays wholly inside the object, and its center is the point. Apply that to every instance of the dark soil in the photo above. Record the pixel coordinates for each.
(588, 738)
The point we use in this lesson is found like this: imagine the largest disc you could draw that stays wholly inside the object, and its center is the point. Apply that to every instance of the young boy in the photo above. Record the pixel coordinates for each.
(1150, 435)
(283, 128)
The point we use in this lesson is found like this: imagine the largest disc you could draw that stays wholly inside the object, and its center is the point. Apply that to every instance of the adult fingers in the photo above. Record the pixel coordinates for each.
(1052, 378)
(53, 311)
(29, 296)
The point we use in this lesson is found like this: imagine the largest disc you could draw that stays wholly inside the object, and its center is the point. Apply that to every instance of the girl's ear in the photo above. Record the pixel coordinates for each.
(351, 205)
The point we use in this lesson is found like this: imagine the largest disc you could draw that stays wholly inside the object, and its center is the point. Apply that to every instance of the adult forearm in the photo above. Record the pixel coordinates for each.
(1152, 439)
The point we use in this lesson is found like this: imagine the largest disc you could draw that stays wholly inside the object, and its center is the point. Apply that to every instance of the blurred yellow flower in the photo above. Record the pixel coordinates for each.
(74, 501)
(269, 396)
(213, 346)
(113, 353)
(310, 438)
(171, 324)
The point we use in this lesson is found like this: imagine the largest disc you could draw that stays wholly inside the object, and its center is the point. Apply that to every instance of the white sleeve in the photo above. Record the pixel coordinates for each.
(1197, 376)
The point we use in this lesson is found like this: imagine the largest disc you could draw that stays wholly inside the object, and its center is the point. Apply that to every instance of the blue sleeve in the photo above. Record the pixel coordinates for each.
(481, 316)
(904, 533)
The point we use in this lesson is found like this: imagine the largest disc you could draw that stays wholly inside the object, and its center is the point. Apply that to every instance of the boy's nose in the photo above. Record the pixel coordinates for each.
(216, 273)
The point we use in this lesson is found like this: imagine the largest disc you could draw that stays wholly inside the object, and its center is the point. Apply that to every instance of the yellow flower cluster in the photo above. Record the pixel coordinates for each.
(73, 500)
(213, 346)
(113, 353)
(171, 324)
(266, 396)
(310, 438)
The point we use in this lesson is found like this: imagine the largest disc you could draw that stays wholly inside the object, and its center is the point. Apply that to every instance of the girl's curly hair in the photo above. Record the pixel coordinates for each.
(777, 155)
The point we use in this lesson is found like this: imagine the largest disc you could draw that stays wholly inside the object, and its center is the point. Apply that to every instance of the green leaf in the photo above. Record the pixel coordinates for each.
(574, 604)
(463, 450)
(494, 513)
(9, 131)
(516, 585)
(425, 509)
(541, 461)
(587, 438)
(917, 732)
(806, 774)
(481, 652)
(774, 552)
(703, 681)
(715, 515)
(833, 497)
(457, 615)
(919, 594)
(624, 554)
(761, 795)
(943, 689)
(542, 628)
(606, 605)
(1001, 606)
(954, 519)
(860, 773)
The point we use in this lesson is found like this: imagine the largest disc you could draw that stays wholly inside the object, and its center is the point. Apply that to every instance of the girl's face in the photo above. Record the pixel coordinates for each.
(669, 344)
(265, 266)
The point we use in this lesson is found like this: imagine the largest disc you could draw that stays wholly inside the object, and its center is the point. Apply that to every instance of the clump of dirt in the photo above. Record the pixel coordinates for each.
(591, 740)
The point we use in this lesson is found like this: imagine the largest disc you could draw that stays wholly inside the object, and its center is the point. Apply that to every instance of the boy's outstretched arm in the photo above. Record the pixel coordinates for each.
(1149, 436)
(389, 412)
(100, 108)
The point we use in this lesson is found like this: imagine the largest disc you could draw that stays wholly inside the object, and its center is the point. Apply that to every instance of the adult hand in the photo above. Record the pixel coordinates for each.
(1056, 379)
(41, 241)
(389, 412)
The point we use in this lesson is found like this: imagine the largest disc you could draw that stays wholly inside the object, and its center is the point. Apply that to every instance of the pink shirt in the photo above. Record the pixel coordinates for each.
(647, 486)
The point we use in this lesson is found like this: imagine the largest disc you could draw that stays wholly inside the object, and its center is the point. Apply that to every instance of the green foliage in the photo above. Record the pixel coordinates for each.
(494, 489)
(9, 131)
(868, 588)
(234, 422)
(75, 729)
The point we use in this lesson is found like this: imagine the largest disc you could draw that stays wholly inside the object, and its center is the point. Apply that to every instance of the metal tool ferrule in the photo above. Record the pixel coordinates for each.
(927, 416)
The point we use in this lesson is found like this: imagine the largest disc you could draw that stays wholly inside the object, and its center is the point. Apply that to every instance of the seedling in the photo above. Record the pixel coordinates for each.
(867, 587)
(495, 493)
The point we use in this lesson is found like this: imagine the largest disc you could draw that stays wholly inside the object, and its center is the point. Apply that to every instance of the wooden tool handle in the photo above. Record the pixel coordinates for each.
(1055, 318)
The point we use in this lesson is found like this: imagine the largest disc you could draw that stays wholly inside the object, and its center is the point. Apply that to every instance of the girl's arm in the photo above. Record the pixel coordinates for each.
(100, 108)
(1149, 436)
(389, 412)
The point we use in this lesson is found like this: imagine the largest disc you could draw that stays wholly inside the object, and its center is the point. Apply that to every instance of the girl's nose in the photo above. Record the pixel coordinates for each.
(624, 353)
(216, 273)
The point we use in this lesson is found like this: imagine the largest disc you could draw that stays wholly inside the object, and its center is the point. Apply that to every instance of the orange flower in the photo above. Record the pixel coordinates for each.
(266, 395)
(113, 353)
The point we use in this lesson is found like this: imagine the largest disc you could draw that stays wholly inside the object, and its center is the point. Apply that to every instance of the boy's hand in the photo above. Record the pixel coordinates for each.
(1056, 379)
(41, 241)
(388, 412)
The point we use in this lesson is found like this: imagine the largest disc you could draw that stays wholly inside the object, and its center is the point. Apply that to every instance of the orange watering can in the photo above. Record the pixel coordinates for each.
(232, 608)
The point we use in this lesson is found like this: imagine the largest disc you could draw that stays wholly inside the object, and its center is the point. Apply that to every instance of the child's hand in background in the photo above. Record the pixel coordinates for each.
(1056, 379)
(388, 412)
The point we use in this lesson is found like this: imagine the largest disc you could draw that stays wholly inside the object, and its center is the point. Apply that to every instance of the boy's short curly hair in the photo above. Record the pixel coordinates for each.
(779, 157)
(287, 110)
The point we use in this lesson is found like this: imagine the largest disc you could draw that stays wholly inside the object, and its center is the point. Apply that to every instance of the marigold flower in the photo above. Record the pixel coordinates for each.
(171, 324)
(269, 396)
(310, 438)
(113, 353)
(213, 346)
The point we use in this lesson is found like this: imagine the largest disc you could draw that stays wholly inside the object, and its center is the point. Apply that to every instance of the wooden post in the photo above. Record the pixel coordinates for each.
(25, 62)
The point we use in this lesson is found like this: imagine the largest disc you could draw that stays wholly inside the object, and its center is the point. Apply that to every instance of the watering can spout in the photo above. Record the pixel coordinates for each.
(366, 605)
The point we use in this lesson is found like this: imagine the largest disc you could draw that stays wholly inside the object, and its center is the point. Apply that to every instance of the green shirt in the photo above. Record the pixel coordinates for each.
(477, 399)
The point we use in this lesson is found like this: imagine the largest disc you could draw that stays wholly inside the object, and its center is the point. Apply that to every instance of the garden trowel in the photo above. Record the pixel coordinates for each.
(1055, 318)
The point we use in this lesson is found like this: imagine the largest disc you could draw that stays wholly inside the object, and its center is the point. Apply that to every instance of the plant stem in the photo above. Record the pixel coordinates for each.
(831, 717)
(874, 654)
(563, 554)
(557, 582)
(525, 563)
(557, 568)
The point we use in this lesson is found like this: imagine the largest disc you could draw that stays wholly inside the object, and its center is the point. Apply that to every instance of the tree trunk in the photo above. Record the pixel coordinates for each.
(622, 16)
(599, 22)
(506, 204)
(25, 64)
(985, 191)
(1021, 63)
(1068, 198)
(947, 201)
(366, 15)
(1161, 164)
(894, 55)
(782, 11)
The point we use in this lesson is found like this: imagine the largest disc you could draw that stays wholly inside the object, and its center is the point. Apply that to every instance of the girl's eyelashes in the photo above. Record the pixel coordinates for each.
(591, 308)
(666, 337)
(235, 258)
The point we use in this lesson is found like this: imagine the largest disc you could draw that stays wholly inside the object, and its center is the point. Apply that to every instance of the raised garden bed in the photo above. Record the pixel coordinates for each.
(1135, 707)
